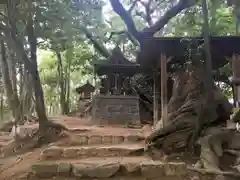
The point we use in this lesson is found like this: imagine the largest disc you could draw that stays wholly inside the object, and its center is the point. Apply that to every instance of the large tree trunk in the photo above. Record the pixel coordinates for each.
(14, 40)
(33, 70)
(12, 97)
(184, 110)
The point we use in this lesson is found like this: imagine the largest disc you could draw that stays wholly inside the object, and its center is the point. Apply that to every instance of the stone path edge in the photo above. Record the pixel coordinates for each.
(148, 169)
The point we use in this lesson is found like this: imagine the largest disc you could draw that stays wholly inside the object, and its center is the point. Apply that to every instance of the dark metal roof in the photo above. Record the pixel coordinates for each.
(85, 87)
(126, 69)
(221, 47)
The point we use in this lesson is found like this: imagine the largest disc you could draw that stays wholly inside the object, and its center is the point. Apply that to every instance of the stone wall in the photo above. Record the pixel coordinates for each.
(112, 109)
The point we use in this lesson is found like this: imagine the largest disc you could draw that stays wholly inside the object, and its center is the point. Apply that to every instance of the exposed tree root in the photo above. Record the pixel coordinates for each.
(54, 132)
(7, 127)
(189, 114)
(206, 171)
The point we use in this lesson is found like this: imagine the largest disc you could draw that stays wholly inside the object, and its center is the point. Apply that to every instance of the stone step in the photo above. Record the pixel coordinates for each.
(54, 152)
(81, 139)
(114, 168)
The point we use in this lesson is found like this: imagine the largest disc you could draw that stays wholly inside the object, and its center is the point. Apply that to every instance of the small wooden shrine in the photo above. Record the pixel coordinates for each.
(85, 91)
(85, 96)
(116, 103)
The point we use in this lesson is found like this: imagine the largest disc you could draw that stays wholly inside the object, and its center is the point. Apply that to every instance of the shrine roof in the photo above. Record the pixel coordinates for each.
(106, 68)
(221, 47)
(116, 63)
(86, 87)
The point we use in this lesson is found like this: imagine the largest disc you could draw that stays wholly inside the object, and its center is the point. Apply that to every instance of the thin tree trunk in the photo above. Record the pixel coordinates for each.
(12, 70)
(61, 83)
(69, 60)
(2, 106)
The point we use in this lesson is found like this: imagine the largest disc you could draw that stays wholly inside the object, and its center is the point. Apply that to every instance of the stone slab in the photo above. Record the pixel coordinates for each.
(80, 140)
(91, 151)
(110, 109)
(116, 168)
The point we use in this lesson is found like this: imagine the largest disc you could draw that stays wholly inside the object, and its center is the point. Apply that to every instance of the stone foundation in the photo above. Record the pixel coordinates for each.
(112, 109)
(116, 170)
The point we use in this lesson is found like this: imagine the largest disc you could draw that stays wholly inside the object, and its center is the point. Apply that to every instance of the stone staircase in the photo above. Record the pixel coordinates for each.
(114, 157)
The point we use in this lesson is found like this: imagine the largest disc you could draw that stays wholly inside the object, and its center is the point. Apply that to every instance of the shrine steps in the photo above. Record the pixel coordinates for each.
(82, 139)
(55, 152)
(113, 168)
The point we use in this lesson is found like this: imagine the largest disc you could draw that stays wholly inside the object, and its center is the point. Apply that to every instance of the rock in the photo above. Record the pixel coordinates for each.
(132, 138)
(79, 140)
(175, 169)
(131, 167)
(158, 126)
(104, 170)
(71, 152)
(107, 140)
(146, 130)
(64, 169)
(95, 140)
(198, 165)
(52, 153)
(237, 167)
(152, 169)
(23, 131)
(45, 170)
(24, 176)
(220, 177)
(117, 139)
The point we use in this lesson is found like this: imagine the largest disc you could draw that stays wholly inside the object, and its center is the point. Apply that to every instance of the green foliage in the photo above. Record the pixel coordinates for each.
(189, 23)
(81, 58)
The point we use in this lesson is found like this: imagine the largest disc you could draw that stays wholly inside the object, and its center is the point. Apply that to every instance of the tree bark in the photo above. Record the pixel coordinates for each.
(69, 60)
(32, 67)
(1, 101)
(62, 83)
(97, 45)
(150, 31)
(11, 95)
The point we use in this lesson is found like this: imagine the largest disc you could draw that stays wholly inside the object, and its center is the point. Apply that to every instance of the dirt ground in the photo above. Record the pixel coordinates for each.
(12, 167)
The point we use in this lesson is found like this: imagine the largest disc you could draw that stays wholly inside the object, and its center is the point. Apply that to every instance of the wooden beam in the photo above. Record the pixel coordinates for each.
(155, 96)
(164, 99)
(236, 78)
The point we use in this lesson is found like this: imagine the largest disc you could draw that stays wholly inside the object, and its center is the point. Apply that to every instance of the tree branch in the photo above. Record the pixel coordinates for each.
(148, 11)
(126, 17)
(132, 6)
(126, 33)
(101, 49)
(4, 16)
(116, 33)
(183, 4)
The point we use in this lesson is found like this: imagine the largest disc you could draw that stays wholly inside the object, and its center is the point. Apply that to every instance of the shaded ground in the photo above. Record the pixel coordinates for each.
(15, 164)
